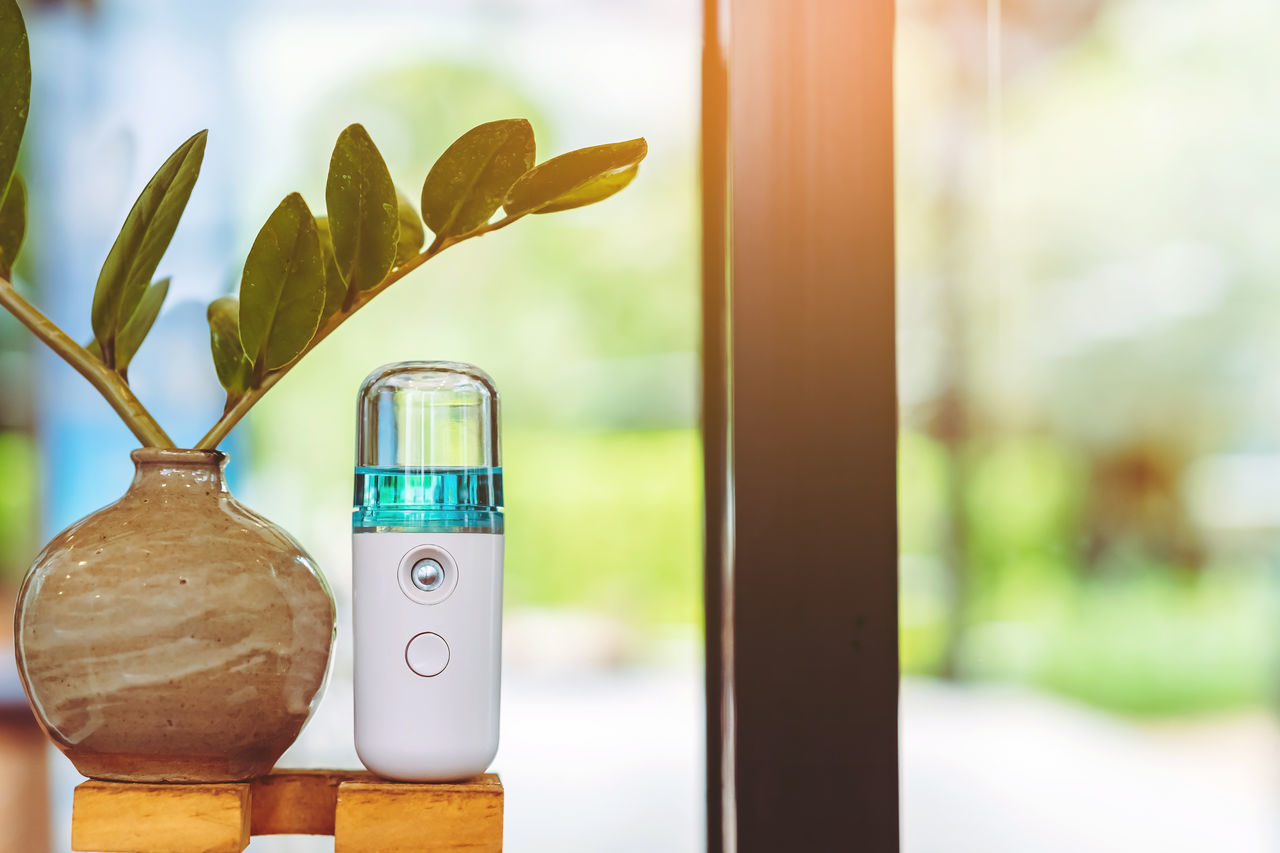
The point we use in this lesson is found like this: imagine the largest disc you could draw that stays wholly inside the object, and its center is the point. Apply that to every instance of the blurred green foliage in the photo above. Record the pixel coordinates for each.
(606, 520)
(1143, 638)
(19, 475)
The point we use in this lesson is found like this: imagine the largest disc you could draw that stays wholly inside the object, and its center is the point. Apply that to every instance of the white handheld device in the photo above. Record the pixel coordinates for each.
(427, 549)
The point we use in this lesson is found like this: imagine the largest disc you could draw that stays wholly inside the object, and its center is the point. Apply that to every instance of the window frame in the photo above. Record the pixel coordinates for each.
(799, 420)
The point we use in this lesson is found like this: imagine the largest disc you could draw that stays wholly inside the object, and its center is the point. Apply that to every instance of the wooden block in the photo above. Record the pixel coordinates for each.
(298, 802)
(362, 812)
(395, 816)
(132, 817)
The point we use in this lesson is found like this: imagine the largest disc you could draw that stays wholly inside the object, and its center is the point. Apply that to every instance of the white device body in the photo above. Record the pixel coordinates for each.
(415, 727)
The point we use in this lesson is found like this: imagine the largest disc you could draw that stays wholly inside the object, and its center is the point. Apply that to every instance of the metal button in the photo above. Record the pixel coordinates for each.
(427, 575)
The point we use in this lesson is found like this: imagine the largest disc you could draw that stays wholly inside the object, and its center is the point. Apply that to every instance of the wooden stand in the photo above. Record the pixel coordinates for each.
(361, 812)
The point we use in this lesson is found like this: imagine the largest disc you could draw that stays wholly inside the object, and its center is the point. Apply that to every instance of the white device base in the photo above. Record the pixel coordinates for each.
(427, 676)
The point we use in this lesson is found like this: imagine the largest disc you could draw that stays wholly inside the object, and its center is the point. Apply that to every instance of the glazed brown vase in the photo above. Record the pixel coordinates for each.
(175, 635)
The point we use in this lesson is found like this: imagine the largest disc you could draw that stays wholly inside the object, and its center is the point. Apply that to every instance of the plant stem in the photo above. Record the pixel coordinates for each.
(246, 401)
(110, 384)
(249, 398)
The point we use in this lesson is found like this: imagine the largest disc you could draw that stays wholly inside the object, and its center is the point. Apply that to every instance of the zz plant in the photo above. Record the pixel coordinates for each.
(305, 275)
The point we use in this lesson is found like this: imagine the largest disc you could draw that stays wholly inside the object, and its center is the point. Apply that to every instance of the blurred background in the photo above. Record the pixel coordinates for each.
(1090, 432)
(1090, 426)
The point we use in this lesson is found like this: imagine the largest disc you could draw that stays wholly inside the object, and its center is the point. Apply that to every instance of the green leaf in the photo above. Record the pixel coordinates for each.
(362, 210)
(135, 331)
(13, 224)
(577, 178)
(471, 179)
(282, 289)
(335, 289)
(15, 87)
(592, 191)
(411, 234)
(147, 230)
(229, 358)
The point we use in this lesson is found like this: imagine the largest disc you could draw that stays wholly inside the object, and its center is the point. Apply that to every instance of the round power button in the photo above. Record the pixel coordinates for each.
(427, 654)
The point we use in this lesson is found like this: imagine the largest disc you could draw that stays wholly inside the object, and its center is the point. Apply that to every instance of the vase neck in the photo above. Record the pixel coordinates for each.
(178, 471)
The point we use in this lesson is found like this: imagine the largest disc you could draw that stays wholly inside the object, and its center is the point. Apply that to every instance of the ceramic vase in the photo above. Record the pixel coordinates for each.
(174, 635)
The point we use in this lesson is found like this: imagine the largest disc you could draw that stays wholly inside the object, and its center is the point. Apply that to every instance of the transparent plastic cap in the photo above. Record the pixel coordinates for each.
(427, 414)
(427, 449)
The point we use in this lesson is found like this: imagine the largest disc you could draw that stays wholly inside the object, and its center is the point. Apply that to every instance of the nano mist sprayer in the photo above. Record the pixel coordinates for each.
(427, 550)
